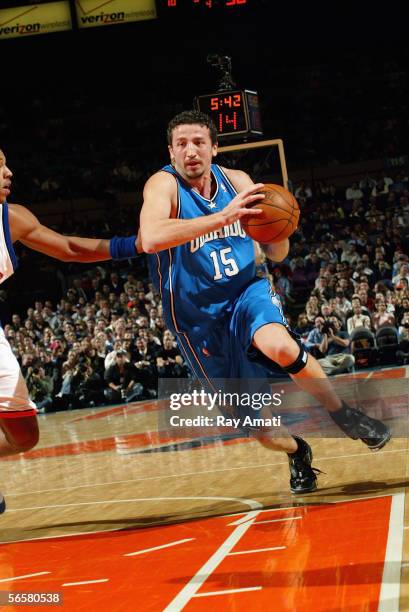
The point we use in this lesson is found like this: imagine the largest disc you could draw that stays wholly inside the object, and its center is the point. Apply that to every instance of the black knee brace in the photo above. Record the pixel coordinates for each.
(301, 361)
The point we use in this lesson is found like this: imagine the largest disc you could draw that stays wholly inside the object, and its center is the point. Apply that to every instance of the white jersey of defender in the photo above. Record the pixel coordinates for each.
(14, 396)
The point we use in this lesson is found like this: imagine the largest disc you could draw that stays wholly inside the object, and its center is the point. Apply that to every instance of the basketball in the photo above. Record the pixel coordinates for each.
(279, 218)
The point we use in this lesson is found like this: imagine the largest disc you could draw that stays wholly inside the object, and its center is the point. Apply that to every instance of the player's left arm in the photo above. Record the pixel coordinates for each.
(276, 251)
(26, 228)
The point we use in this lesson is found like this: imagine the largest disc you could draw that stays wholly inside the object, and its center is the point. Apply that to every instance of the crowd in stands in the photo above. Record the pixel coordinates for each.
(348, 271)
(104, 342)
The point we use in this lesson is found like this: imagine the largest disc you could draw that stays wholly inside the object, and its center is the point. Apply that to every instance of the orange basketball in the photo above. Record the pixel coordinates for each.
(279, 218)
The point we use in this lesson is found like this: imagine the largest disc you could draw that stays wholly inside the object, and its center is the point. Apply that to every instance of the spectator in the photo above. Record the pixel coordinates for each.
(116, 285)
(382, 270)
(40, 386)
(315, 337)
(145, 364)
(282, 285)
(380, 189)
(354, 192)
(403, 275)
(143, 353)
(335, 349)
(363, 268)
(86, 386)
(110, 357)
(169, 362)
(366, 301)
(326, 311)
(366, 184)
(357, 319)
(312, 308)
(399, 260)
(303, 193)
(342, 305)
(381, 317)
(403, 329)
(304, 326)
(130, 281)
(402, 307)
(350, 255)
(122, 381)
(16, 322)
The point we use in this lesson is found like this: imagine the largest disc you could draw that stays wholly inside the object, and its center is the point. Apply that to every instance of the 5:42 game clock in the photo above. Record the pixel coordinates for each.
(233, 112)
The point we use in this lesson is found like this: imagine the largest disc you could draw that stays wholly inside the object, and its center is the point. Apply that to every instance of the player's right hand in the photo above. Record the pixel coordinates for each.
(242, 204)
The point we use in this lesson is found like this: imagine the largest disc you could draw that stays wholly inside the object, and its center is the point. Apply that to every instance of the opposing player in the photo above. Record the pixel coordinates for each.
(228, 322)
(18, 421)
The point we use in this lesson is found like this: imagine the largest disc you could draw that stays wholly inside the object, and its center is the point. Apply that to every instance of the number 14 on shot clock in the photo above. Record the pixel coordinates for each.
(233, 112)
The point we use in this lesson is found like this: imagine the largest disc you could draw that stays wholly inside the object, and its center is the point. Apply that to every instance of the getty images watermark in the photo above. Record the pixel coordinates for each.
(230, 407)
(238, 409)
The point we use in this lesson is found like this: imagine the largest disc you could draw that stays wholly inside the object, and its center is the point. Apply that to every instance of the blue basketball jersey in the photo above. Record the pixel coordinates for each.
(200, 280)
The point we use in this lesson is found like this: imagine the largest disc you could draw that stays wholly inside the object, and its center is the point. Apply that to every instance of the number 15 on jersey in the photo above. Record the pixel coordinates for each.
(223, 265)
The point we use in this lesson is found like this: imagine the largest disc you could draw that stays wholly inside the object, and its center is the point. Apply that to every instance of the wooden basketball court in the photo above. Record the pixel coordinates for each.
(117, 517)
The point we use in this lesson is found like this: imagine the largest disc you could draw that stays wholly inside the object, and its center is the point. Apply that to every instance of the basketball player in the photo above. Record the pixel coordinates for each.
(227, 321)
(18, 421)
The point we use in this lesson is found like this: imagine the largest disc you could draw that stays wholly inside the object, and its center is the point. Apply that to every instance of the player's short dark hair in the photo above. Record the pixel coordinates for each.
(191, 117)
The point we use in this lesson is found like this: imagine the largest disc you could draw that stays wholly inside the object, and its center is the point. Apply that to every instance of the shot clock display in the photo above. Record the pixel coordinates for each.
(233, 112)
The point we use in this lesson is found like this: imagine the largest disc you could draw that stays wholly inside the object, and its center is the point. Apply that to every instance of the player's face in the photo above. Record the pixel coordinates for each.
(192, 150)
(5, 178)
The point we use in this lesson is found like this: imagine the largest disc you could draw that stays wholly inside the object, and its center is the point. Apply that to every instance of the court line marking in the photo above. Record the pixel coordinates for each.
(226, 592)
(164, 477)
(255, 550)
(124, 529)
(85, 582)
(140, 552)
(24, 576)
(196, 473)
(194, 584)
(290, 518)
(252, 503)
(363, 498)
(64, 535)
(390, 586)
(390, 573)
(244, 519)
(239, 521)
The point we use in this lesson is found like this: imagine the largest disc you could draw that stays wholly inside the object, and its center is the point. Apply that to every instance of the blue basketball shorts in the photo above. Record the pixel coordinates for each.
(223, 349)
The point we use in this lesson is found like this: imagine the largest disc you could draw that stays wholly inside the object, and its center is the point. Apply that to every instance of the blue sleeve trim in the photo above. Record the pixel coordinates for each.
(6, 230)
(122, 247)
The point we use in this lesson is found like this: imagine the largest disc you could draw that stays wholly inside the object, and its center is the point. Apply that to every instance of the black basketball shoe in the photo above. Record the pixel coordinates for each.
(2, 504)
(303, 476)
(357, 425)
